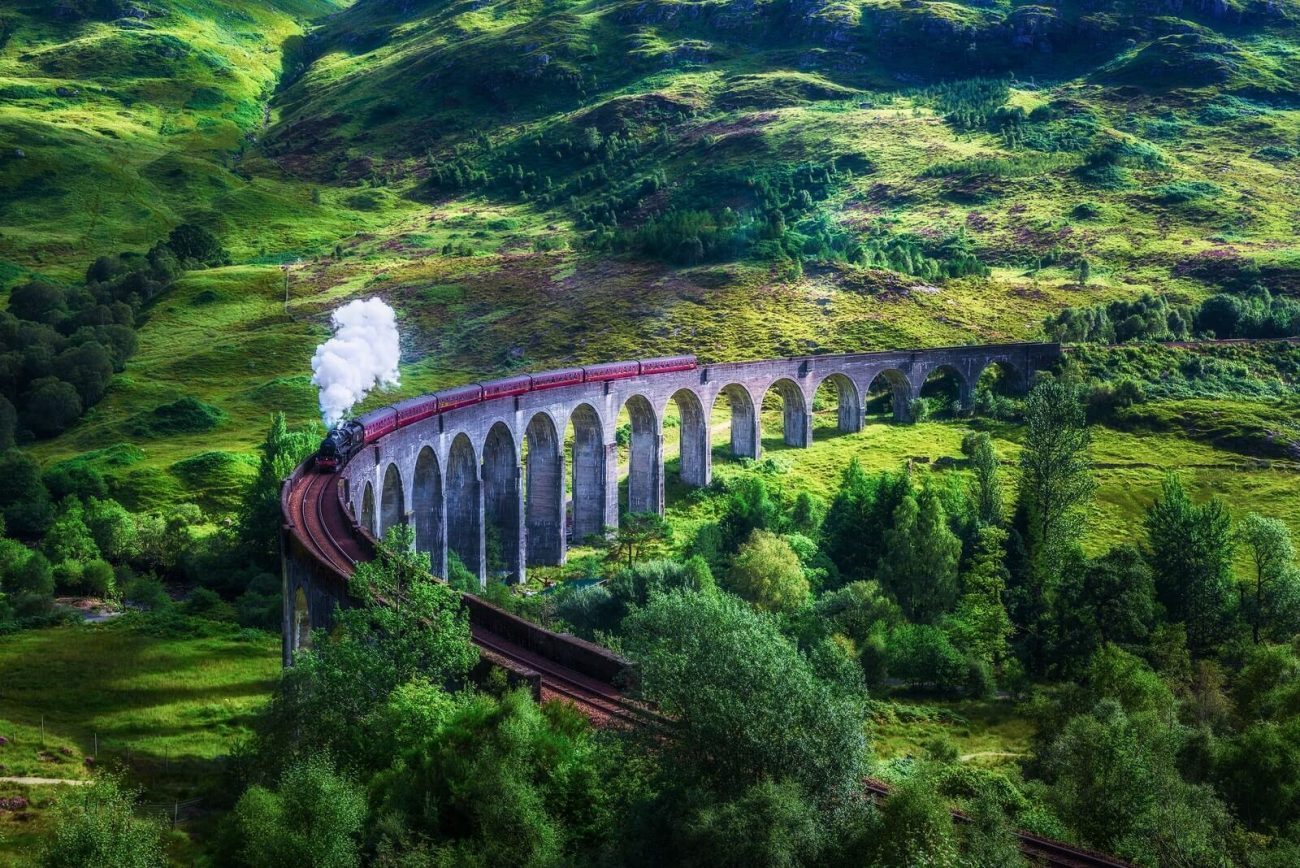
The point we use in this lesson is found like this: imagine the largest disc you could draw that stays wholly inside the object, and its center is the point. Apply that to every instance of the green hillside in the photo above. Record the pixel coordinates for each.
(1053, 635)
(537, 183)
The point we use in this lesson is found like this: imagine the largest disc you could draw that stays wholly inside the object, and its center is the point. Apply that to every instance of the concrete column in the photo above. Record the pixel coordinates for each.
(853, 417)
(746, 427)
(480, 568)
(544, 502)
(796, 425)
(503, 501)
(518, 548)
(902, 413)
(695, 455)
(464, 508)
(610, 517)
(438, 547)
(645, 478)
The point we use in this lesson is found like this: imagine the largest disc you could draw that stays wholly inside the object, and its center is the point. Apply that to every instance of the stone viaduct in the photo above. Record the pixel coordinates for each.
(507, 462)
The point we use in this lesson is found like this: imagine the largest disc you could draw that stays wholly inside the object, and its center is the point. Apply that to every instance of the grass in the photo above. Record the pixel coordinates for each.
(1130, 469)
(987, 732)
(338, 166)
(163, 702)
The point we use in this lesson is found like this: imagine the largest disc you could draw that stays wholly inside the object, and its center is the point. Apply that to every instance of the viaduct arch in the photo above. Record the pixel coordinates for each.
(501, 477)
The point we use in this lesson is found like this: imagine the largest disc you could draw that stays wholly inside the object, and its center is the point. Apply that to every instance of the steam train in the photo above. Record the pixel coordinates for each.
(347, 437)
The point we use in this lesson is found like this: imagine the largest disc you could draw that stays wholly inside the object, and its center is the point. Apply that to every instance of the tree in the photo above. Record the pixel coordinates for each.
(1106, 780)
(981, 626)
(50, 406)
(195, 246)
(23, 498)
(745, 703)
(113, 529)
(68, 538)
(406, 626)
(1271, 601)
(749, 507)
(96, 825)
(314, 817)
(638, 534)
(853, 530)
(39, 302)
(921, 553)
(1258, 772)
(1056, 476)
(8, 424)
(34, 576)
(259, 517)
(1190, 550)
(772, 823)
(986, 493)
(89, 368)
(494, 781)
(768, 573)
(1103, 600)
(916, 828)
(921, 654)
(858, 608)
(1056, 483)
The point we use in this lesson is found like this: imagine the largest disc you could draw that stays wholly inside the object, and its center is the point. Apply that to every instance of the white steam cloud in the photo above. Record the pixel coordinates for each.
(362, 354)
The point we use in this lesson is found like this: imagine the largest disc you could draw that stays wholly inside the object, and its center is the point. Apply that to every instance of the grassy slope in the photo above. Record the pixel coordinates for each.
(178, 702)
(391, 83)
(113, 132)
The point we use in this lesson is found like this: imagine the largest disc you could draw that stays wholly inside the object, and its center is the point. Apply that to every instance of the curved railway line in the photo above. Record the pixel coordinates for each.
(324, 541)
(311, 504)
(314, 511)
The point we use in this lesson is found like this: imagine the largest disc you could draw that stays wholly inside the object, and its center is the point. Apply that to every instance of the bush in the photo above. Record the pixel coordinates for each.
(148, 593)
(1185, 191)
(923, 655)
(186, 415)
(207, 603)
(98, 579)
(97, 826)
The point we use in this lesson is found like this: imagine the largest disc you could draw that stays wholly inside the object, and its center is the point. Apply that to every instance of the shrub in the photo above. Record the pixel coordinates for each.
(1178, 192)
(923, 655)
(148, 593)
(186, 415)
(97, 826)
(98, 579)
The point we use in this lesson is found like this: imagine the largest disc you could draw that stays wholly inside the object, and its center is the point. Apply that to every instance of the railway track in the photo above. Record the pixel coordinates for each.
(313, 506)
(593, 697)
(1037, 849)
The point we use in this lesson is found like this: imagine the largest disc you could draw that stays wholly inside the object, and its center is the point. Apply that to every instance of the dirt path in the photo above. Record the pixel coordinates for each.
(41, 782)
(967, 757)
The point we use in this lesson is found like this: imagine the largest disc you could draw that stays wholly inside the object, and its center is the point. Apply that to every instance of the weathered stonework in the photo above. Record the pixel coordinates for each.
(452, 474)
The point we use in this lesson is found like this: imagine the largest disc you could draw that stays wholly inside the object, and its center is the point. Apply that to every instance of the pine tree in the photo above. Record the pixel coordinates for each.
(981, 626)
(921, 552)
